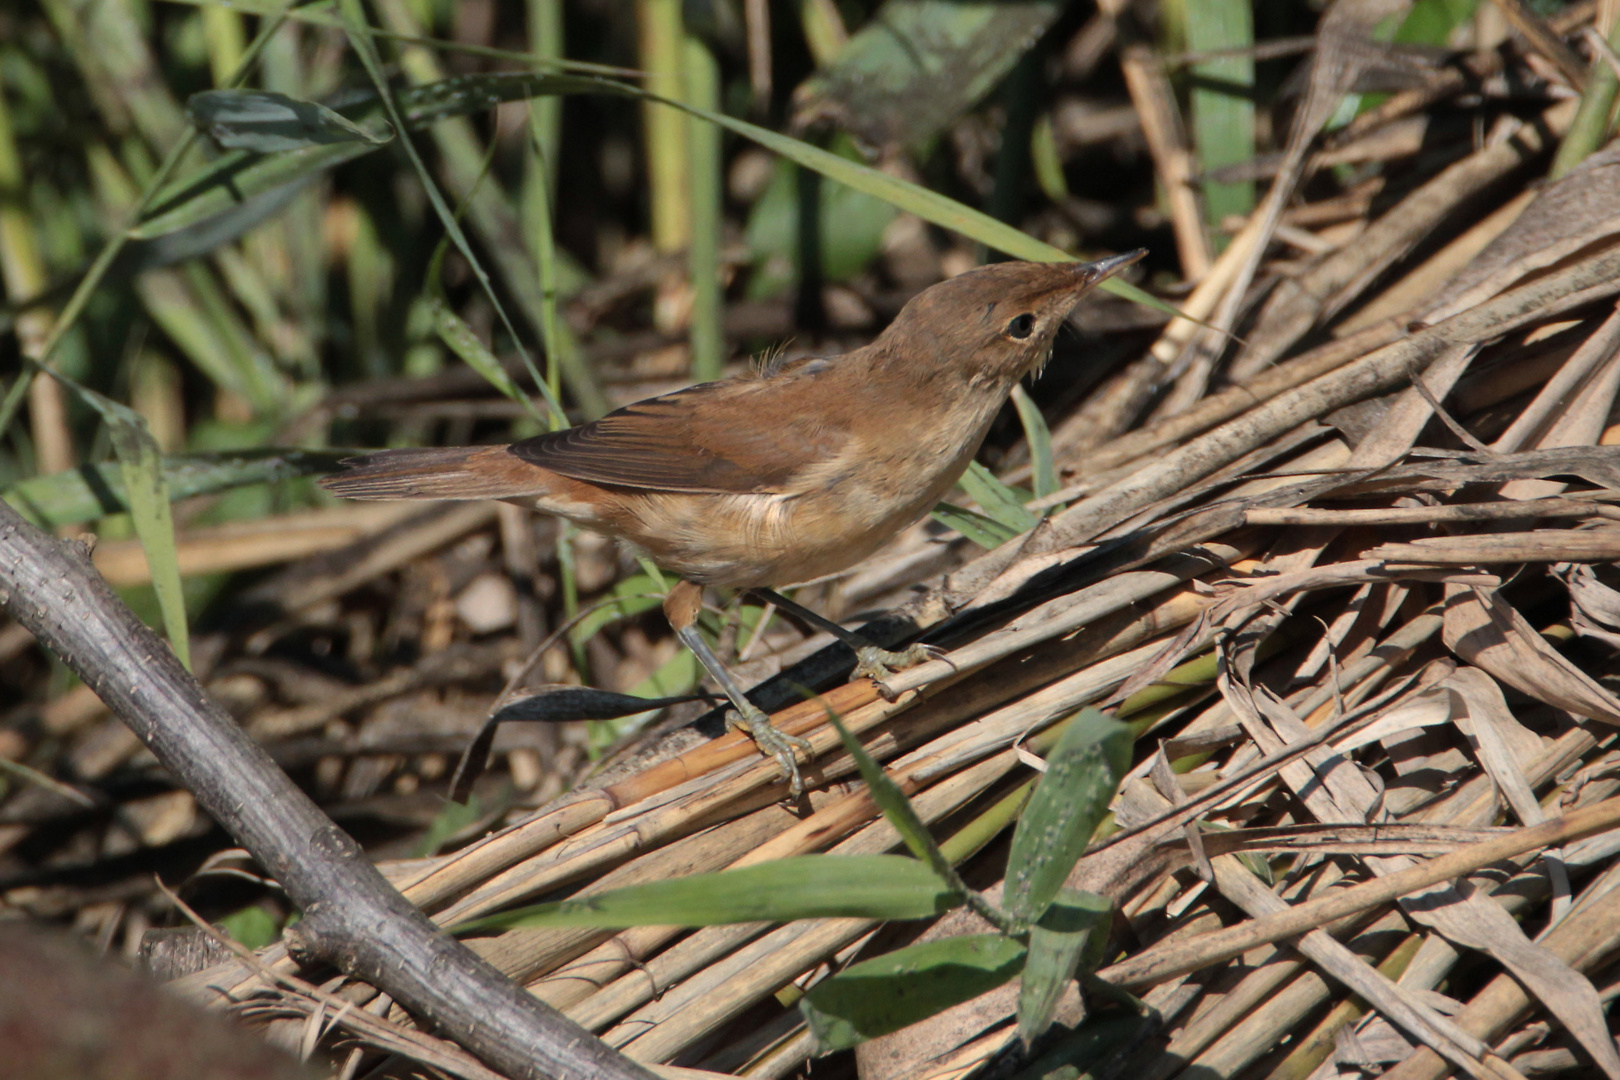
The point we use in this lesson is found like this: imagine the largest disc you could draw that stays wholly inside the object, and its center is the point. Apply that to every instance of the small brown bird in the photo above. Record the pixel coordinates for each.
(782, 475)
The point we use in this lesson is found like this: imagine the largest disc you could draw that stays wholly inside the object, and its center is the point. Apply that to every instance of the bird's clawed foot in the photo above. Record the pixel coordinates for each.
(872, 662)
(775, 742)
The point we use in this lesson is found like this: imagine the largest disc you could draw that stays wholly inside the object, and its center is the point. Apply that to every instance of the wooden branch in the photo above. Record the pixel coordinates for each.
(353, 918)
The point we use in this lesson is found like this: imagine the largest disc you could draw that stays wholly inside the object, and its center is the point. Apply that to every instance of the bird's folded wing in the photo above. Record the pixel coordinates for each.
(738, 436)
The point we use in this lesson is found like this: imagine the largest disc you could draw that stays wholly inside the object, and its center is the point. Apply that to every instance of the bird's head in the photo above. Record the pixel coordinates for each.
(999, 321)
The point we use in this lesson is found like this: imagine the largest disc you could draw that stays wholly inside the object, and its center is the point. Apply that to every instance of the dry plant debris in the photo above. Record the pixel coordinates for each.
(1351, 581)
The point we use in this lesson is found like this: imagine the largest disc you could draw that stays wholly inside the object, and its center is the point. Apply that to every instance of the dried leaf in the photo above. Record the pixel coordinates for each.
(1485, 630)
(1594, 607)
(1423, 709)
(1567, 215)
(1500, 740)
(1501, 743)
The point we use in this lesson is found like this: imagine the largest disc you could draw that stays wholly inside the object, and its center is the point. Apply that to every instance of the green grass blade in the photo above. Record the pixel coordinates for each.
(1594, 118)
(320, 13)
(803, 887)
(1070, 933)
(659, 40)
(900, 813)
(492, 212)
(141, 464)
(189, 304)
(264, 122)
(889, 992)
(675, 678)
(354, 21)
(252, 927)
(546, 42)
(141, 467)
(103, 261)
(1222, 101)
(568, 578)
(93, 491)
(824, 32)
(987, 532)
(460, 339)
(1082, 773)
(632, 596)
(559, 344)
(1099, 1038)
(898, 809)
(238, 175)
(473, 93)
(916, 66)
(233, 178)
(1048, 165)
(451, 819)
(222, 28)
(1039, 438)
(706, 180)
(1000, 502)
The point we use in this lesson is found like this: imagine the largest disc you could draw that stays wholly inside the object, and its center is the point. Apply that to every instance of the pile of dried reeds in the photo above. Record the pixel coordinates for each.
(1349, 578)
(1410, 581)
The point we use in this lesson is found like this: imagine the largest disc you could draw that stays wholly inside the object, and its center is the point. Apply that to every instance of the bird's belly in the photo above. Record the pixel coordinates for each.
(741, 541)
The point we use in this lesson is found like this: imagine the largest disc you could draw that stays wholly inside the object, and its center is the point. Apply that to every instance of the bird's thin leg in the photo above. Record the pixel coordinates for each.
(681, 607)
(871, 661)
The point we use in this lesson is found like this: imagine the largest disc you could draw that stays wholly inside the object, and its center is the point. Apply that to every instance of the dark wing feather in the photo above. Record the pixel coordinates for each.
(737, 436)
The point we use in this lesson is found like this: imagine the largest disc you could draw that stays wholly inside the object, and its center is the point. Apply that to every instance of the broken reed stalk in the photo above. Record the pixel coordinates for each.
(353, 918)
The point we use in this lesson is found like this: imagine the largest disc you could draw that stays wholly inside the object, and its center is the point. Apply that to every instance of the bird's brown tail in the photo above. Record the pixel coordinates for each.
(452, 472)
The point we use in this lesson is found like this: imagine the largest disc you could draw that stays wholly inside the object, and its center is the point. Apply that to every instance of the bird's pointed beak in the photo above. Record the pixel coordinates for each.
(1095, 272)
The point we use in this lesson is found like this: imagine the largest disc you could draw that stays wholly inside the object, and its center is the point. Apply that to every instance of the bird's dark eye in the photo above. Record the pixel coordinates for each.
(1022, 326)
